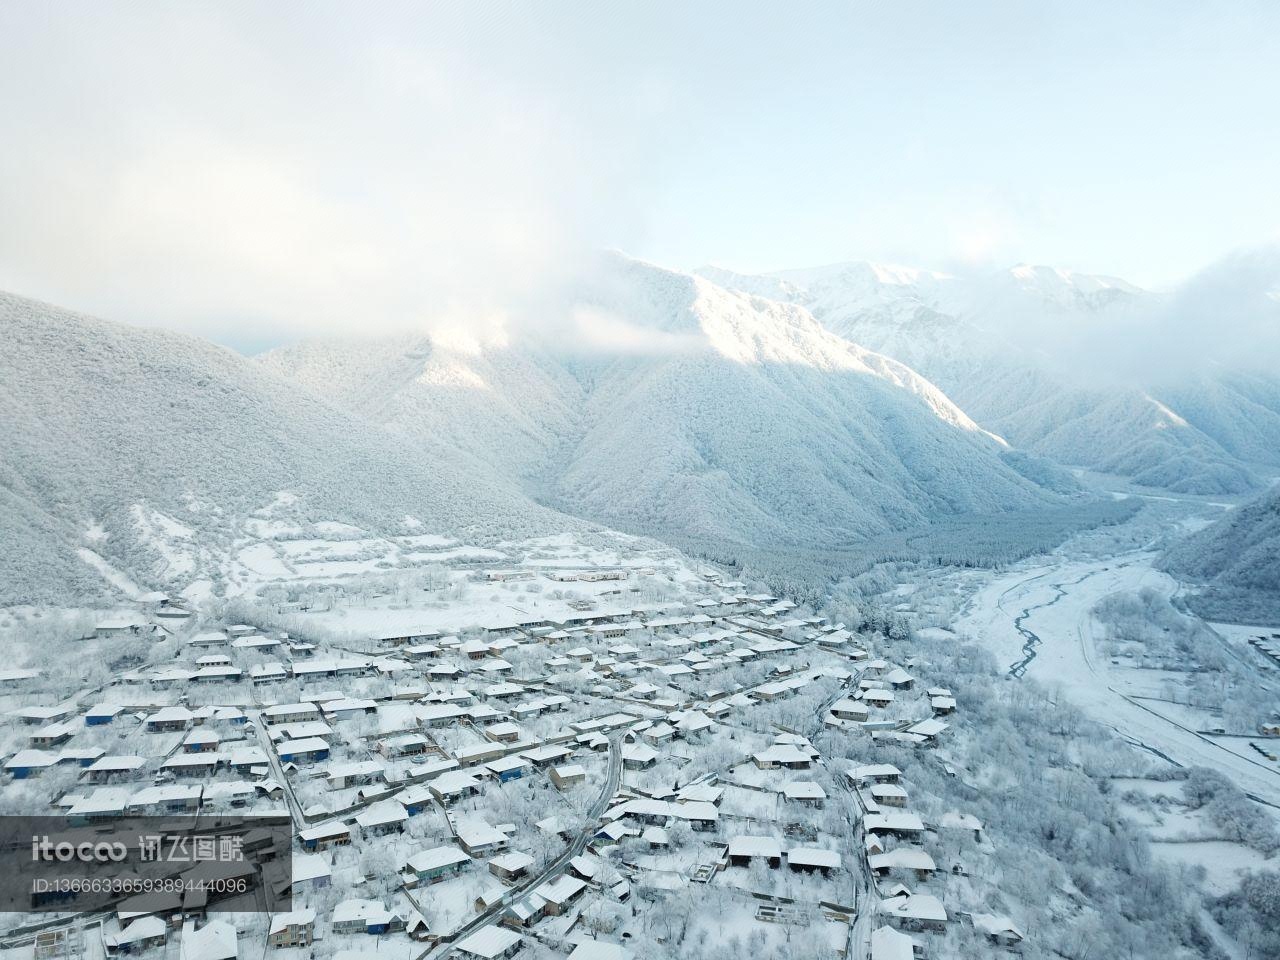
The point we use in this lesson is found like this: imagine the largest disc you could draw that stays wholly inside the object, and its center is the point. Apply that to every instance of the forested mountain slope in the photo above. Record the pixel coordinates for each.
(1235, 562)
(100, 417)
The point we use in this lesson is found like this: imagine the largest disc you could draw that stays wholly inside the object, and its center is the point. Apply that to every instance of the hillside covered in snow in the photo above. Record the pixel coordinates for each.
(121, 442)
(1235, 563)
(665, 404)
(1028, 354)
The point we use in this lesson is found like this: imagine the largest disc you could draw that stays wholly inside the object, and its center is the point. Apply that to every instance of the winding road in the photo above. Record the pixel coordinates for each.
(613, 780)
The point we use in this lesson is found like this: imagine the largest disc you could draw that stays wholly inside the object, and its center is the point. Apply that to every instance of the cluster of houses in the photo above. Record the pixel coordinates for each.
(429, 720)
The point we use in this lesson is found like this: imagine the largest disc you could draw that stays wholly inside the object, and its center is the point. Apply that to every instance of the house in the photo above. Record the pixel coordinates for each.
(255, 642)
(398, 638)
(381, 817)
(192, 764)
(890, 944)
(659, 733)
(406, 745)
(453, 785)
(638, 756)
(216, 940)
(490, 943)
(805, 793)
(238, 793)
(106, 769)
(102, 714)
(953, 820)
(308, 749)
(29, 763)
(899, 679)
(201, 741)
(417, 927)
(812, 860)
(878, 698)
(439, 715)
(786, 755)
(510, 867)
(118, 627)
(271, 672)
(888, 794)
(568, 775)
(896, 822)
(144, 933)
(693, 723)
(744, 850)
(479, 838)
(502, 691)
(325, 835)
(942, 706)
(506, 732)
(293, 929)
(875, 773)
(364, 916)
(707, 793)
(561, 893)
(920, 911)
(906, 858)
(354, 773)
(290, 713)
(852, 710)
(33, 716)
(310, 872)
(547, 756)
(166, 799)
(656, 837)
(348, 708)
(300, 730)
(437, 863)
(217, 674)
(490, 898)
(169, 719)
(1000, 930)
(476, 754)
(507, 768)
(247, 759)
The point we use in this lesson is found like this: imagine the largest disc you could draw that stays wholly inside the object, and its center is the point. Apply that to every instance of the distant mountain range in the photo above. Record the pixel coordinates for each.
(806, 409)
(1025, 352)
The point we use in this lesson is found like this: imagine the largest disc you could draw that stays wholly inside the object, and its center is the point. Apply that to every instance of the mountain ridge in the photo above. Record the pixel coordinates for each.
(1203, 434)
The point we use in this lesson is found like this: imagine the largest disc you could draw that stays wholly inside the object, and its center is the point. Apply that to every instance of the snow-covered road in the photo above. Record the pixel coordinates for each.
(1037, 621)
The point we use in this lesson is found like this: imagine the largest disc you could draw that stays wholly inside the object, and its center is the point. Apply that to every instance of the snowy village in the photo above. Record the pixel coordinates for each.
(599, 778)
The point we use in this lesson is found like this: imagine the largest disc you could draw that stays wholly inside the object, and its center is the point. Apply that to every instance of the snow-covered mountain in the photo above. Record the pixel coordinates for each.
(669, 405)
(113, 432)
(998, 346)
(1235, 562)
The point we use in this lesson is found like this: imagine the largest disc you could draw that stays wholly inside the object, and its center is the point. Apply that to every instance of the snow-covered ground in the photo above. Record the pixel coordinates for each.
(1053, 602)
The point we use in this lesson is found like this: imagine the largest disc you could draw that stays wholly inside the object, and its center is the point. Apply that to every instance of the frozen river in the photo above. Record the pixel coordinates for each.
(1037, 622)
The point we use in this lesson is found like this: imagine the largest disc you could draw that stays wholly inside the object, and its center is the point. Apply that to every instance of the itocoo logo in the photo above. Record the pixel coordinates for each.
(47, 851)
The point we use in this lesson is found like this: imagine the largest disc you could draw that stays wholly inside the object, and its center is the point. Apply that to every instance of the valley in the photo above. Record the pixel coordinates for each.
(662, 481)
(621, 726)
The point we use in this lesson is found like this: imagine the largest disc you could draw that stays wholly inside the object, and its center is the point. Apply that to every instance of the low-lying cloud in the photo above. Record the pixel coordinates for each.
(299, 182)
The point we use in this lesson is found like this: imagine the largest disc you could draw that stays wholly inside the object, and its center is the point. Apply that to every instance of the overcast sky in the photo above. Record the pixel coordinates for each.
(259, 172)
